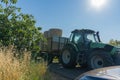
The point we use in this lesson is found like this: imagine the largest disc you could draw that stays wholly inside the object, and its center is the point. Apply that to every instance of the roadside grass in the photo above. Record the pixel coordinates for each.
(12, 68)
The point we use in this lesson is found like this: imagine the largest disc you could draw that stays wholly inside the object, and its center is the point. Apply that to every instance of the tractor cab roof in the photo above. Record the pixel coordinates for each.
(87, 31)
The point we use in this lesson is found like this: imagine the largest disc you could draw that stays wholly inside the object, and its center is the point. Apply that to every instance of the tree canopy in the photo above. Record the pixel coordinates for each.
(18, 29)
(114, 42)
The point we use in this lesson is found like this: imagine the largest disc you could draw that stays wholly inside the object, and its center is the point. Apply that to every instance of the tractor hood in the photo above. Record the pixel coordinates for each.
(107, 47)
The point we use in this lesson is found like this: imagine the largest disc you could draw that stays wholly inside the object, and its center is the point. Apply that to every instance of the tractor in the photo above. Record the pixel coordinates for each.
(86, 49)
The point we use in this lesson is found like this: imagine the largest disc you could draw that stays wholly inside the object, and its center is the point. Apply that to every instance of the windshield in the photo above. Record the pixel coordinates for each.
(91, 37)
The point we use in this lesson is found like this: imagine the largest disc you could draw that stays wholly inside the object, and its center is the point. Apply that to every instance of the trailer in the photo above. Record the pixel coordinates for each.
(52, 48)
(53, 45)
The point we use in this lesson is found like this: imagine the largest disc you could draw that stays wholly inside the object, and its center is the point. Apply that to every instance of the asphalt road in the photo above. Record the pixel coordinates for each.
(70, 74)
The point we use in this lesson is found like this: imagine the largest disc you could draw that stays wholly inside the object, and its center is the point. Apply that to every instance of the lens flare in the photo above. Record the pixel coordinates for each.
(98, 4)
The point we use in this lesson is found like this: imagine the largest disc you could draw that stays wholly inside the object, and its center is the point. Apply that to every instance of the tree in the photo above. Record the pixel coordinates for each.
(18, 29)
(114, 42)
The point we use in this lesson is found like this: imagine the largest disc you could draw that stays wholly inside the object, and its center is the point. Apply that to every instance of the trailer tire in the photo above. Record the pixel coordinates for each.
(68, 57)
(50, 59)
(99, 59)
(47, 58)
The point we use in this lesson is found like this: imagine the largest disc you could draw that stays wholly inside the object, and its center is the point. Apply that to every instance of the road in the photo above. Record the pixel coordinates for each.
(70, 74)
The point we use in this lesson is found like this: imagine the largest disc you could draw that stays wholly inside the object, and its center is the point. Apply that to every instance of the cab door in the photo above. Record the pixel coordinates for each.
(77, 39)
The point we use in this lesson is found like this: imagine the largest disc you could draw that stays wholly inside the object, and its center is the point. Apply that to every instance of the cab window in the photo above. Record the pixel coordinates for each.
(77, 38)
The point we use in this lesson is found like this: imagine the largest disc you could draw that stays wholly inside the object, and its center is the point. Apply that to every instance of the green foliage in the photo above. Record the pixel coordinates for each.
(9, 1)
(114, 42)
(18, 29)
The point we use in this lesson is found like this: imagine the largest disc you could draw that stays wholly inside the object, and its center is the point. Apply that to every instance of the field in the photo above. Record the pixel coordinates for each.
(12, 68)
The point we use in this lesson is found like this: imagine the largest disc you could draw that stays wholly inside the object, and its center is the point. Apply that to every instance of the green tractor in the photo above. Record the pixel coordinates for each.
(86, 49)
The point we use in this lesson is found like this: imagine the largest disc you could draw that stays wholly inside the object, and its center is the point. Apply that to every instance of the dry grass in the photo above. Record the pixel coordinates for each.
(12, 68)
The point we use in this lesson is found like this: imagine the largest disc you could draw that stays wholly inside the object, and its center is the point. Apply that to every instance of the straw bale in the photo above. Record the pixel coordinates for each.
(55, 32)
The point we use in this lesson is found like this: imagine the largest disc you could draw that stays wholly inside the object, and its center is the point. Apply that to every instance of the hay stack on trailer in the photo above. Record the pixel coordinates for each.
(55, 41)
(55, 33)
(46, 33)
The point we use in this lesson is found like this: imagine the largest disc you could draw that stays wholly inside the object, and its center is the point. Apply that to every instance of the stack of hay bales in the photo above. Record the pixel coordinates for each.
(52, 36)
(53, 33)
(46, 33)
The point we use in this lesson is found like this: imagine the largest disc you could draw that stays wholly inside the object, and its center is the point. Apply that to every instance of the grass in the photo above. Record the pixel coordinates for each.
(12, 68)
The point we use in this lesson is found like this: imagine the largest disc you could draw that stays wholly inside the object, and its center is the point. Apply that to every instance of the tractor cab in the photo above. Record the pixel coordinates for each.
(83, 38)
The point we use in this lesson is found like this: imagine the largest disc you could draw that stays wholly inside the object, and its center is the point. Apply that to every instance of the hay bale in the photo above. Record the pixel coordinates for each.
(52, 37)
(55, 33)
(46, 33)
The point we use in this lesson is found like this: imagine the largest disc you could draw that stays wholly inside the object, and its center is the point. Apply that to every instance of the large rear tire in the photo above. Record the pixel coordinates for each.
(68, 57)
(99, 59)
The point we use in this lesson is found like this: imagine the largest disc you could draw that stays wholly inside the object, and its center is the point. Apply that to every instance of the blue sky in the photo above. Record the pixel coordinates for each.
(75, 14)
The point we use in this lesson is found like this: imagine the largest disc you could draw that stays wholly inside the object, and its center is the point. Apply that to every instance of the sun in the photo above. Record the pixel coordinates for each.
(98, 4)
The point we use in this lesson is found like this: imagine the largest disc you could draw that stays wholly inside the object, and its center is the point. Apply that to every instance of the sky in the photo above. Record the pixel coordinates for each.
(75, 14)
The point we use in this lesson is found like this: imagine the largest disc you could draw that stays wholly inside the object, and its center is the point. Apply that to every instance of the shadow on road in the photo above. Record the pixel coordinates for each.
(71, 74)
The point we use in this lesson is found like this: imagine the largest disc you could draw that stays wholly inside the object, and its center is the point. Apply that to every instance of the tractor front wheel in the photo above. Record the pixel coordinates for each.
(99, 59)
(117, 59)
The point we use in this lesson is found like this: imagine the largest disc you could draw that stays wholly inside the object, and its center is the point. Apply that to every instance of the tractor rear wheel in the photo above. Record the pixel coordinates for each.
(99, 59)
(68, 57)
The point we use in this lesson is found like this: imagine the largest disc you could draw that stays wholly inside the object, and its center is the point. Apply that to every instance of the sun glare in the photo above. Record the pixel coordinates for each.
(98, 4)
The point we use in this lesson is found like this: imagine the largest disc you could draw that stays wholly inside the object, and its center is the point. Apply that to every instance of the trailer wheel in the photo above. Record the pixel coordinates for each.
(99, 59)
(68, 57)
(47, 58)
(50, 58)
